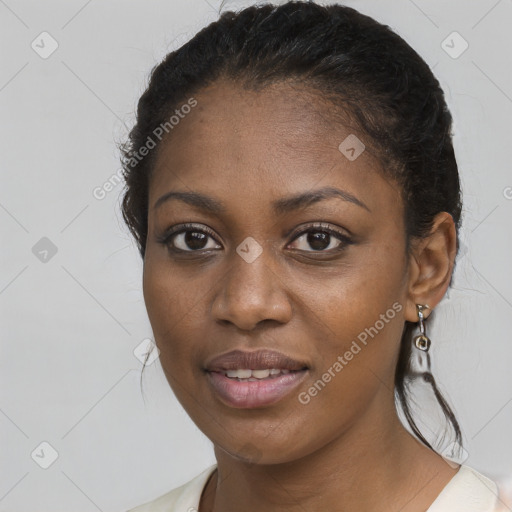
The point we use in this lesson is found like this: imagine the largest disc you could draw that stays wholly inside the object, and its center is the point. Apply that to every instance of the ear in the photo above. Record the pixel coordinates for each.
(431, 265)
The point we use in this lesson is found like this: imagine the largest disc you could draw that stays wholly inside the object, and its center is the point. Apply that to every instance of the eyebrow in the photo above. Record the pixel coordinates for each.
(280, 206)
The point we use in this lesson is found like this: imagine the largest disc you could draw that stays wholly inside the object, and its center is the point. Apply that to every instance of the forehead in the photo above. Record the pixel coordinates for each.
(281, 139)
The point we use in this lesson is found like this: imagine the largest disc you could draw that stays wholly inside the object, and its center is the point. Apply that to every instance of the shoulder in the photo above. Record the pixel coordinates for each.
(467, 491)
(183, 498)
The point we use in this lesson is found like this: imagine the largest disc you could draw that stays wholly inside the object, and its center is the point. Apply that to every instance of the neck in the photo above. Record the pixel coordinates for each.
(372, 466)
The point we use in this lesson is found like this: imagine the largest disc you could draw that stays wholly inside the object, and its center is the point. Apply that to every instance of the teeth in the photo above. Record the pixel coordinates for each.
(260, 374)
(240, 374)
(254, 375)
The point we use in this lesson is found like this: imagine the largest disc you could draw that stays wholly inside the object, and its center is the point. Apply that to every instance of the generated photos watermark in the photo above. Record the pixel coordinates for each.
(355, 348)
(161, 129)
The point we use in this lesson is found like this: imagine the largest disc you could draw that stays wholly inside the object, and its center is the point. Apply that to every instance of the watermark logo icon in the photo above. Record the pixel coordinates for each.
(250, 453)
(454, 454)
(44, 455)
(44, 250)
(454, 45)
(249, 249)
(44, 45)
(145, 347)
(352, 147)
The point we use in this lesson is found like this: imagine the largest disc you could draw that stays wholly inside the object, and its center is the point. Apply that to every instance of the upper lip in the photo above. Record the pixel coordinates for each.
(257, 360)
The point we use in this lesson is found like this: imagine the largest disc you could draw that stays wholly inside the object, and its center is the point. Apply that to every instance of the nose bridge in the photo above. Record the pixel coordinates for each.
(251, 290)
(252, 270)
(258, 269)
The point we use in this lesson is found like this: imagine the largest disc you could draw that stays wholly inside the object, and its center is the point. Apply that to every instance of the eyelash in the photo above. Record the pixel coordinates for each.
(167, 237)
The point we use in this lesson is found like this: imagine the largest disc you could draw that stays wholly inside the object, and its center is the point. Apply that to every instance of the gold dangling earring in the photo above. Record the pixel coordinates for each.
(422, 341)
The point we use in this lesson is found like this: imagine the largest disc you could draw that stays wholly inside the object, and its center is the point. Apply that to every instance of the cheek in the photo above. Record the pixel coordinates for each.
(176, 314)
(361, 328)
(172, 308)
(354, 297)
(360, 314)
(355, 354)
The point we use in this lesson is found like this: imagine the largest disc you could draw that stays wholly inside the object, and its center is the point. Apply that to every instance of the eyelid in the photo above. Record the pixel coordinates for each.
(188, 226)
(322, 226)
(165, 238)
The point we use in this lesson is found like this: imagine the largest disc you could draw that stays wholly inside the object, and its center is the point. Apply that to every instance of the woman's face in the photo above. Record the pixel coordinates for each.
(322, 281)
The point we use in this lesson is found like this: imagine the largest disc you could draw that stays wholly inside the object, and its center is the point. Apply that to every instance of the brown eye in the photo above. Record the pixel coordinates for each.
(193, 240)
(190, 238)
(321, 239)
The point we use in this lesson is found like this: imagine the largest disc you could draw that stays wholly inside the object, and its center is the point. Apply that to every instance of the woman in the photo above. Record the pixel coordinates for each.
(293, 190)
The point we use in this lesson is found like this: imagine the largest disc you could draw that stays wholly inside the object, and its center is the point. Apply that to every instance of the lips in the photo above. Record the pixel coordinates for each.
(254, 379)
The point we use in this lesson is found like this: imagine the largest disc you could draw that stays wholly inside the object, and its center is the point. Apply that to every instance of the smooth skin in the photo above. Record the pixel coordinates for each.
(346, 449)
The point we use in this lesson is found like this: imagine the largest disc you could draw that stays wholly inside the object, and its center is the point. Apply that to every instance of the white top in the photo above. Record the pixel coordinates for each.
(467, 491)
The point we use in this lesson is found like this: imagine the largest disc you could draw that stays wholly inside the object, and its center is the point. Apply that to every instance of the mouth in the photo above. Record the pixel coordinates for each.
(256, 375)
(247, 380)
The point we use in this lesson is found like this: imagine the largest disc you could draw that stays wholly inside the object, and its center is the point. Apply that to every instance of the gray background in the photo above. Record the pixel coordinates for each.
(71, 321)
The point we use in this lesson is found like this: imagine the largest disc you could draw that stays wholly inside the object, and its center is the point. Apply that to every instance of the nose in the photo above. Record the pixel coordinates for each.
(251, 293)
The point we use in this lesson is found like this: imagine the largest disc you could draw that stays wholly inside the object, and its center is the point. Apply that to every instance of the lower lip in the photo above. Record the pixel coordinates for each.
(252, 394)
